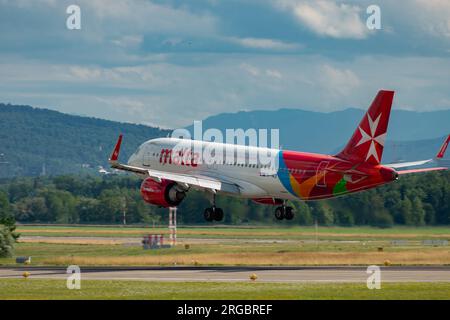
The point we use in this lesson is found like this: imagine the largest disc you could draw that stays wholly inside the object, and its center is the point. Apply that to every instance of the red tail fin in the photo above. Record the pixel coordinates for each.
(441, 152)
(367, 142)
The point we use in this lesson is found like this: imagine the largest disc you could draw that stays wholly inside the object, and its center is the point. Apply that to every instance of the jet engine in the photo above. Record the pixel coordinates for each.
(164, 194)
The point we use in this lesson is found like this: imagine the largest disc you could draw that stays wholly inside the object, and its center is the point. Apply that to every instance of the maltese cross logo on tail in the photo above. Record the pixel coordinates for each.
(374, 140)
(367, 142)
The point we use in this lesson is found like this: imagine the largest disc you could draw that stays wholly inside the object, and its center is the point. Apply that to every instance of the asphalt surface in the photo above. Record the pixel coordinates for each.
(137, 241)
(230, 274)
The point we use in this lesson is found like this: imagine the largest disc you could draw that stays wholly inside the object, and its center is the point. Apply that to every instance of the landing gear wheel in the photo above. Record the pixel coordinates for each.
(218, 214)
(289, 213)
(208, 214)
(213, 213)
(279, 213)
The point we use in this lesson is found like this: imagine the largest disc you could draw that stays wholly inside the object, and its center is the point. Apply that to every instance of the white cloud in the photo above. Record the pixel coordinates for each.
(124, 105)
(261, 43)
(254, 71)
(274, 73)
(327, 18)
(340, 81)
(434, 16)
(29, 3)
(84, 73)
(128, 41)
(425, 23)
(144, 76)
(119, 18)
(227, 84)
(257, 72)
(104, 69)
(147, 17)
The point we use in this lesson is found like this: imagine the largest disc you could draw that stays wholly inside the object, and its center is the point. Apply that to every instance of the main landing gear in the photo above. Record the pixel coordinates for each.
(283, 212)
(213, 213)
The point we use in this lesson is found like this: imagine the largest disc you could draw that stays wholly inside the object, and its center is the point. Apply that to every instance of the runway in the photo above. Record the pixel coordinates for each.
(338, 274)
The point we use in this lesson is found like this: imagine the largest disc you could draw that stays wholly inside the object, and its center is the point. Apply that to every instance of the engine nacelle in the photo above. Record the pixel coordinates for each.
(164, 194)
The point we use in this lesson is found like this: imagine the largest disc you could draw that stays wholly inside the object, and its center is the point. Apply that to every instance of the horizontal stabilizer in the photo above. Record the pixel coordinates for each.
(407, 164)
(421, 170)
(439, 156)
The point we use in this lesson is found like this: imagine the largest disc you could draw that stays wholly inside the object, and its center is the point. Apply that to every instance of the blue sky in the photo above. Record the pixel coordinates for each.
(168, 63)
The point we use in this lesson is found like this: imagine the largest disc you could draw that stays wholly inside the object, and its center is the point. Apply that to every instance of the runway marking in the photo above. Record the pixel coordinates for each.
(236, 274)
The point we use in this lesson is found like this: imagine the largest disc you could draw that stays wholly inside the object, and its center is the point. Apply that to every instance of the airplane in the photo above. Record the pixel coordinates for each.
(171, 167)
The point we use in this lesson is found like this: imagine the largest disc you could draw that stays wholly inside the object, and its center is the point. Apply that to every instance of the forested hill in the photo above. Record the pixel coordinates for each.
(33, 140)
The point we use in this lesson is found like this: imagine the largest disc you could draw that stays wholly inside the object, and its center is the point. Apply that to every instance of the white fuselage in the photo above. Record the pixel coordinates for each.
(254, 169)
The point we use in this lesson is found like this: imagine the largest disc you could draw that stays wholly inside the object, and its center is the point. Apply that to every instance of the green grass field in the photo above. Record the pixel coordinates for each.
(227, 254)
(281, 233)
(230, 254)
(243, 246)
(98, 289)
(90, 246)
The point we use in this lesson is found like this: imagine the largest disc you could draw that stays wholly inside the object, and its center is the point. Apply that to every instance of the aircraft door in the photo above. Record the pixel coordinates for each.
(147, 157)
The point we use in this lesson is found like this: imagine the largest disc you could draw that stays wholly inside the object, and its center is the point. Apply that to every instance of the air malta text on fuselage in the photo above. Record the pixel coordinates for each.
(183, 157)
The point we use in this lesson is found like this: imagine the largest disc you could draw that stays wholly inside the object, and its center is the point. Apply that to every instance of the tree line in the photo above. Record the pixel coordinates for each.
(416, 200)
(7, 227)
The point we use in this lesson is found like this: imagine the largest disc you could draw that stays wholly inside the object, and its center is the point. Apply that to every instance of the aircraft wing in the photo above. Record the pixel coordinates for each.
(199, 181)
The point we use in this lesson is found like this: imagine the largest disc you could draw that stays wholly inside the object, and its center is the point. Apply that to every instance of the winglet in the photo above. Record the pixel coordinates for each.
(115, 154)
(443, 148)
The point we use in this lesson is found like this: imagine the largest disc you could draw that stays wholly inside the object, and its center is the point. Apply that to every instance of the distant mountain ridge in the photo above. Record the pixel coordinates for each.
(410, 134)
